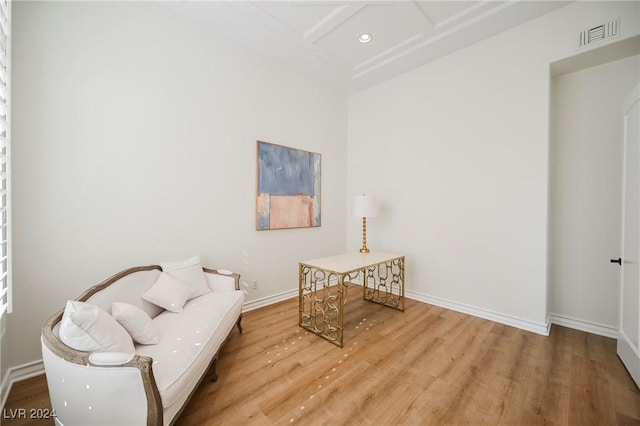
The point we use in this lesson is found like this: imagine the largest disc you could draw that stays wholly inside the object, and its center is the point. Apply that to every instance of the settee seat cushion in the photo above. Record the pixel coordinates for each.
(189, 340)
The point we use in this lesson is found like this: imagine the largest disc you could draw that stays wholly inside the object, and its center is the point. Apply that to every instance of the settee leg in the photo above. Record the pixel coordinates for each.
(213, 371)
(238, 323)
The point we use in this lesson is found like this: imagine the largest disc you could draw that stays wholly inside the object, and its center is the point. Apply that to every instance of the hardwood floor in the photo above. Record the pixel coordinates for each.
(427, 365)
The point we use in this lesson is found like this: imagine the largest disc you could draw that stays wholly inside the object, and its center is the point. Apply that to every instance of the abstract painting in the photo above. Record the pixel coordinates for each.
(288, 189)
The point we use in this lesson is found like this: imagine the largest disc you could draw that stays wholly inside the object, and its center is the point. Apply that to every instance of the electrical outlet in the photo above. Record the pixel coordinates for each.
(255, 284)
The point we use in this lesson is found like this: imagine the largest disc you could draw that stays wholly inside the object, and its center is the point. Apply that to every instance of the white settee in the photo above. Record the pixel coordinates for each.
(113, 386)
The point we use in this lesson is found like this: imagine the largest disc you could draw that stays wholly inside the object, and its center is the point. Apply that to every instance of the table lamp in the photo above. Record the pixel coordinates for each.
(365, 206)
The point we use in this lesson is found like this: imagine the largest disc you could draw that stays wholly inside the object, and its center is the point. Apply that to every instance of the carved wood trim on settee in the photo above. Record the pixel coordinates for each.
(142, 363)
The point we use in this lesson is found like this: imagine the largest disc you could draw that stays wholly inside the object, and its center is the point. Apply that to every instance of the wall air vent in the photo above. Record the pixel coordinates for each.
(599, 33)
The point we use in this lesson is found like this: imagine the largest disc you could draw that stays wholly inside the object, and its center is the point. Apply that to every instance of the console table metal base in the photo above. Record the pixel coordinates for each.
(323, 285)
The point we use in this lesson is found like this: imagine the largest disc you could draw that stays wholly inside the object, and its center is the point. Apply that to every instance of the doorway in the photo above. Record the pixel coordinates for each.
(585, 178)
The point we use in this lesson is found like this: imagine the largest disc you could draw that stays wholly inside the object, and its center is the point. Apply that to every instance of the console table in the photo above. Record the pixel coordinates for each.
(323, 288)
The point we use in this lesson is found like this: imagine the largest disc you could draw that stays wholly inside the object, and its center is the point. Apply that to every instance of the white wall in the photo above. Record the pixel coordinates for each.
(586, 190)
(457, 150)
(134, 142)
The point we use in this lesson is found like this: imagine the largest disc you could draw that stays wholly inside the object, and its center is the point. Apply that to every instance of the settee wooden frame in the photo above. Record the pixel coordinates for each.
(142, 363)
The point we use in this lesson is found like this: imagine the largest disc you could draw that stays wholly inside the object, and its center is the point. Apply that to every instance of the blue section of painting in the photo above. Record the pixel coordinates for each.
(263, 220)
(285, 171)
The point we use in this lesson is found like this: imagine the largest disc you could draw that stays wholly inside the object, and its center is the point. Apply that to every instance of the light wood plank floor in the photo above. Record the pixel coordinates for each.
(425, 366)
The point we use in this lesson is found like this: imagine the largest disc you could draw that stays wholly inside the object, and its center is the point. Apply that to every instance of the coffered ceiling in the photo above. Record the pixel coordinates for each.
(321, 37)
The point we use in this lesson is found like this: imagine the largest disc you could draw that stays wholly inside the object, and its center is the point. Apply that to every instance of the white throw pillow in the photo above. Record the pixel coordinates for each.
(86, 327)
(168, 293)
(137, 322)
(189, 272)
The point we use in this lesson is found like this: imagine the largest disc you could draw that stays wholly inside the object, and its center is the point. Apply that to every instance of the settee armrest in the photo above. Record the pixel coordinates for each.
(110, 359)
(73, 365)
(223, 277)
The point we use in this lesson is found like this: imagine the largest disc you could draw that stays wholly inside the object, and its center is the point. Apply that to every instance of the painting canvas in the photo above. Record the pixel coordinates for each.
(288, 194)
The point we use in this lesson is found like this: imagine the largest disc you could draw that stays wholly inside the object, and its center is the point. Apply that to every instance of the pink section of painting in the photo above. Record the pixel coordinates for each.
(294, 211)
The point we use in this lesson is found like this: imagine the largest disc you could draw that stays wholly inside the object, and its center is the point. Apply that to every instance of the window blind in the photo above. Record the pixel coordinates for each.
(5, 165)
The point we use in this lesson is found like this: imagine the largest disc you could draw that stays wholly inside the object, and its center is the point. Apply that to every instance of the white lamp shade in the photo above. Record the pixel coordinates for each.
(365, 206)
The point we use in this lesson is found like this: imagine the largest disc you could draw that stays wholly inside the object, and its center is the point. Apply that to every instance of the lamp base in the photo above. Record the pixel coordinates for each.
(364, 248)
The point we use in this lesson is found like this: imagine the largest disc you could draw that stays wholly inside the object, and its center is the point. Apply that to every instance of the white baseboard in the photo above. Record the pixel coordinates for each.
(539, 328)
(510, 320)
(17, 374)
(589, 327)
(269, 300)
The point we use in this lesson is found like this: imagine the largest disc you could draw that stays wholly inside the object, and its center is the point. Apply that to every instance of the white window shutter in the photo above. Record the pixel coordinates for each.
(5, 164)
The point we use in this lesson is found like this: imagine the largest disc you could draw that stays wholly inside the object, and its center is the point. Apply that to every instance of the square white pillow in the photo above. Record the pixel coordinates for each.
(168, 293)
(189, 272)
(137, 322)
(86, 327)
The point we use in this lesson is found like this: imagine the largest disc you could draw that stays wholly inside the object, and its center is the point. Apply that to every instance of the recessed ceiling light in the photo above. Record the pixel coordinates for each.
(365, 38)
